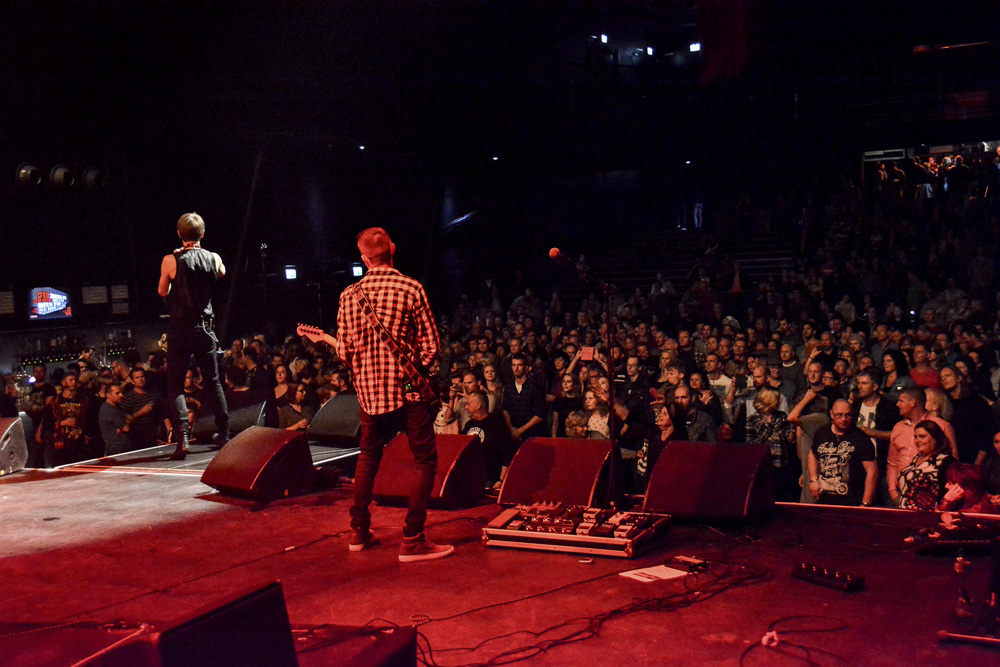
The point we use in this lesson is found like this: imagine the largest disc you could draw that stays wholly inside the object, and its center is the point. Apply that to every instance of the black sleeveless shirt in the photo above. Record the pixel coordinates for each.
(191, 292)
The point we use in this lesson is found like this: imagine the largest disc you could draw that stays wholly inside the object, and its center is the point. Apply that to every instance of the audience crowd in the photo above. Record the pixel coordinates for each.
(869, 369)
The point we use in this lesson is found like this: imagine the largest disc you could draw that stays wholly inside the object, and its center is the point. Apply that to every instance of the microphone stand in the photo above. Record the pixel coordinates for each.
(616, 469)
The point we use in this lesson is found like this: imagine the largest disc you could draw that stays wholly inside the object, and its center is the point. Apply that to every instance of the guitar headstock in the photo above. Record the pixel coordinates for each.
(315, 334)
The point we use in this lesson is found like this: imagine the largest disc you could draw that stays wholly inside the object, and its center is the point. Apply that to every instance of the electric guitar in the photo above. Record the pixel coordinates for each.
(416, 380)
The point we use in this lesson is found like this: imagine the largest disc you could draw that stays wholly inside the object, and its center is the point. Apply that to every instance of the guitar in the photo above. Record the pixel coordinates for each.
(416, 379)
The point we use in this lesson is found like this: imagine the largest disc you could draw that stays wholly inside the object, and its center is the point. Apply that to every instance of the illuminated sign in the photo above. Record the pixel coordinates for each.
(46, 303)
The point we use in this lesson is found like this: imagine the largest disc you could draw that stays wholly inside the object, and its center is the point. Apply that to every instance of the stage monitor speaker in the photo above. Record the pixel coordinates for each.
(707, 481)
(565, 470)
(262, 463)
(338, 422)
(248, 629)
(460, 479)
(246, 409)
(13, 446)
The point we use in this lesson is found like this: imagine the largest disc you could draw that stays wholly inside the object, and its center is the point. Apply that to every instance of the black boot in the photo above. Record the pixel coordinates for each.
(181, 450)
(220, 440)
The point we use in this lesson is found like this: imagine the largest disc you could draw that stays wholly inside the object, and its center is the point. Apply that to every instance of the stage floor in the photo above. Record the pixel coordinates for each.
(141, 540)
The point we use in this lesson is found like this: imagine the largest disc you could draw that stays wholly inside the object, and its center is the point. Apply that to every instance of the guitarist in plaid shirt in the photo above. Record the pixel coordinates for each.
(388, 404)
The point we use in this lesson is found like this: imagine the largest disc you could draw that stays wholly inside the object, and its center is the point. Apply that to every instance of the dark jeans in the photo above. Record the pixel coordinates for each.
(70, 452)
(786, 482)
(182, 343)
(376, 430)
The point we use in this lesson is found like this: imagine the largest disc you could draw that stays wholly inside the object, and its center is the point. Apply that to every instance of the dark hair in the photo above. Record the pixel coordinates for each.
(876, 378)
(902, 365)
(310, 398)
(963, 388)
(940, 440)
(236, 376)
(700, 374)
(325, 393)
(344, 376)
(679, 421)
(577, 388)
(918, 395)
(967, 476)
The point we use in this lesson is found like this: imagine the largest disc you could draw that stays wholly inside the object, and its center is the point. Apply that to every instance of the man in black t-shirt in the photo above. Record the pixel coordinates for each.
(42, 392)
(492, 431)
(63, 426)
(524, 406)
(842, 469)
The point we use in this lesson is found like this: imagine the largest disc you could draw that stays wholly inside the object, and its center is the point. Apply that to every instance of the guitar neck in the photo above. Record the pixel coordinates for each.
(315, 334)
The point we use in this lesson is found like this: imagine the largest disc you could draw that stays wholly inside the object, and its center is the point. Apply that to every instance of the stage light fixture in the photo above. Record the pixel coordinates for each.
(94, 178)
(62, 176)
(28, 174)
(604, 39)
(649, 50)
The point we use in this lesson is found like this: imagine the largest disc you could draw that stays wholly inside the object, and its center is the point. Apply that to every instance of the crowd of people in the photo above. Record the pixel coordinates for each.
(85, 410)
(870, 369)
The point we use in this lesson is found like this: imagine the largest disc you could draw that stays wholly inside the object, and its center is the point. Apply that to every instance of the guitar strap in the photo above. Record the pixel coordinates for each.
(383, 334)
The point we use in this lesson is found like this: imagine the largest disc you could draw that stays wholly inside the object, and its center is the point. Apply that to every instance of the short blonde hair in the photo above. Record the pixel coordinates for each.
(191, 227)
(766, 401)
(296, 367)
(941, 403)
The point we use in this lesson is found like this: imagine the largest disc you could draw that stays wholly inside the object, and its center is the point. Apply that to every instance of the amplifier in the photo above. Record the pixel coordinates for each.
(576, 529)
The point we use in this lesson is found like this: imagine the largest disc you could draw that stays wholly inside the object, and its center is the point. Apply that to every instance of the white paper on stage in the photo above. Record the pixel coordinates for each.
(655, 573)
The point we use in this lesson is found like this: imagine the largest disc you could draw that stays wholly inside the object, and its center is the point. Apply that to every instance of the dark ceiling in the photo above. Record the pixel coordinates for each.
(449, 75)
(178, 100)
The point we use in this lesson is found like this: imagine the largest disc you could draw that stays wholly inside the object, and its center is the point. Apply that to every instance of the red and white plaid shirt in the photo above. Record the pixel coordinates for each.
(401, 304)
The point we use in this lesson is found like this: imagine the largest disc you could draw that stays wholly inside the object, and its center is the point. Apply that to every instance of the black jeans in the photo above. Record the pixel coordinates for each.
(376, 430)
(182, 343)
